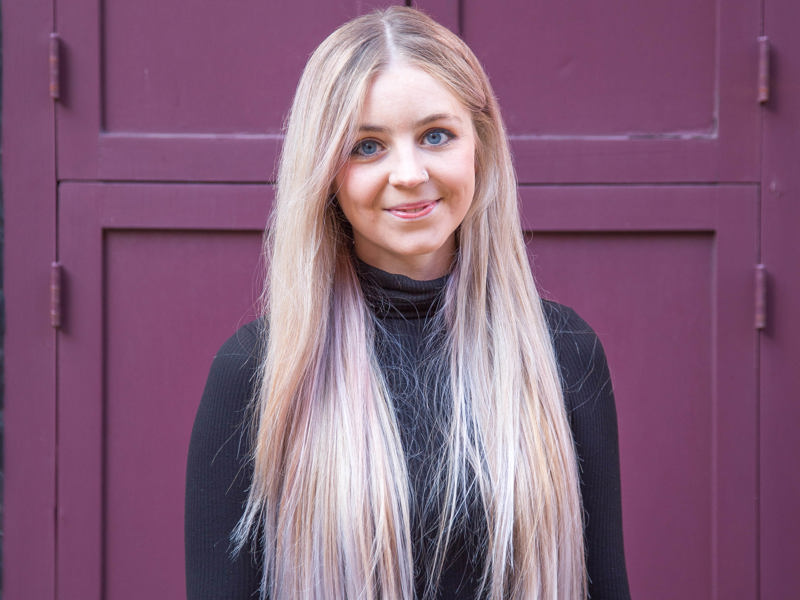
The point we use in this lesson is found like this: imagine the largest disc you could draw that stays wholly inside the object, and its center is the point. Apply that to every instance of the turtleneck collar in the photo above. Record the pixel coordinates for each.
(397, 296)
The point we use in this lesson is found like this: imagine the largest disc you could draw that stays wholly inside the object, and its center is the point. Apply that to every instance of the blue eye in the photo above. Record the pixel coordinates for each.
(367, 148)
(437, 137)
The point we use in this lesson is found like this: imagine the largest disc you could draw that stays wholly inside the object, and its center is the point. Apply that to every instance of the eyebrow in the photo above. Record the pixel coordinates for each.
(420, 123)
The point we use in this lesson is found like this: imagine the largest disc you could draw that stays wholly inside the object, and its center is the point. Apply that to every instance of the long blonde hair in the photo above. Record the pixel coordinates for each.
(329, 502)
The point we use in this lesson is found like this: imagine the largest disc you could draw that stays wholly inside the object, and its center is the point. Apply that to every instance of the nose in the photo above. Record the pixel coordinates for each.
(407, 170)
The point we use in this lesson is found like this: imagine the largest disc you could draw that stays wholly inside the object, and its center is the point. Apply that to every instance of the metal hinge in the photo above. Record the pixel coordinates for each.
(763, 69)
(761, 297)
(55, 66)
(55, 295)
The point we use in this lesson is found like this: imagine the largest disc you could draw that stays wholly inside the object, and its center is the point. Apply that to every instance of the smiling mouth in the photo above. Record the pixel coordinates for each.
(413, 210)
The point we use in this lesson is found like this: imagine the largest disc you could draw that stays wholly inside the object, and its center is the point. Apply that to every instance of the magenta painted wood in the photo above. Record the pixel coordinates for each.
(780, 341)
(446, 12)
(664, 274)
(160, 92)
(621, 91)
(30, 343)
(157, 278)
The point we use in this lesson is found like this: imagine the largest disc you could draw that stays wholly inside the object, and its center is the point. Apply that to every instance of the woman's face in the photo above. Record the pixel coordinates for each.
(410, 178)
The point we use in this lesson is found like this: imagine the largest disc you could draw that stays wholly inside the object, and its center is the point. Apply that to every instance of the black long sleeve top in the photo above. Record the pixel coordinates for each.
(219, 472)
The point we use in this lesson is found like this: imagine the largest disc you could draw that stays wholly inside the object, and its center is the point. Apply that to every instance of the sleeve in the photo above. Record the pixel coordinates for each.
(218, 476)
(592, 414)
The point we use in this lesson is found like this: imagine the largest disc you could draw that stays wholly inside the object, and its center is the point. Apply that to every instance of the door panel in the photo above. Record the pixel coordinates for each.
(157, 278)
(163, 290)
(651, 293)
(664, 275)
(157, 91)
(612, 69)
(620, 91)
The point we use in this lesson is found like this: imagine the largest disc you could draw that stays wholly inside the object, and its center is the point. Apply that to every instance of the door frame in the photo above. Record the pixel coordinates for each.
(29, 191)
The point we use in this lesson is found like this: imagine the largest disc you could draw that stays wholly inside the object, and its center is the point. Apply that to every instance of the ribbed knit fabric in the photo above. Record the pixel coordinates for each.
(218, 472)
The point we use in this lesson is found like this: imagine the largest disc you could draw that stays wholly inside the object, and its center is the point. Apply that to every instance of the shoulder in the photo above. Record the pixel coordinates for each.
(231, 385)
(564, 322)
(236, 362)
(244, 344)
(591, 410)
(580, 356)
(574, 340)
(219, 471)
(220, 442)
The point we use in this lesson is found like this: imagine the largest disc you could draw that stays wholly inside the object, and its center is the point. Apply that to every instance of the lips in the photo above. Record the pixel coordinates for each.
(413, 210)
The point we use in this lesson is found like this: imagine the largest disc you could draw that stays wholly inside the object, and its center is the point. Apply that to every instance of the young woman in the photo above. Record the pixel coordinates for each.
(408, 419)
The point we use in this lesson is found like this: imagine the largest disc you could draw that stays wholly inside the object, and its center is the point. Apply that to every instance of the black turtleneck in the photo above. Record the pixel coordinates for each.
(409, 349)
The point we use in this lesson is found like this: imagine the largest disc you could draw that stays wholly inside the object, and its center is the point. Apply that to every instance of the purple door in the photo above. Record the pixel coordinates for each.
(651, 182)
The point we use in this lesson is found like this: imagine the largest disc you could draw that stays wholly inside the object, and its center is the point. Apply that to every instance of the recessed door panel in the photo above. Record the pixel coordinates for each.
(649, 296)
(664, 275)
(617, 68)
(157, 278)
(164, 292)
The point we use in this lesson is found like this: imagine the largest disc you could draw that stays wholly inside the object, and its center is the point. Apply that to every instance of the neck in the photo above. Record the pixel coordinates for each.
(419, 268)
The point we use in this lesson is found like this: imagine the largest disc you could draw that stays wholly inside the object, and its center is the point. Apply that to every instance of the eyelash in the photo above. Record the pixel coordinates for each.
(357, 151)
(448, 135)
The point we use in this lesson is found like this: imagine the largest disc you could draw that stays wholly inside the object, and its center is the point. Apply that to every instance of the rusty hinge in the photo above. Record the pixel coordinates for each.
(763, 69)
(55, 295)
(761, 297)
(55, 66)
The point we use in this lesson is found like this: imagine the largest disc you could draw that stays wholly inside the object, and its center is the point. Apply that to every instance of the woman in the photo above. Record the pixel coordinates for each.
(419, 415)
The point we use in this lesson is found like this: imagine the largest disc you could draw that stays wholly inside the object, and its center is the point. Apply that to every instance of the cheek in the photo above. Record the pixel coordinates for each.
(356, 187)
(467, 174)
(356, 199)
(344, 192)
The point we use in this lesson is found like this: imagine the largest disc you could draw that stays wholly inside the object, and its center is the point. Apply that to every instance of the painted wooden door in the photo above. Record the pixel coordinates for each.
(636, 137)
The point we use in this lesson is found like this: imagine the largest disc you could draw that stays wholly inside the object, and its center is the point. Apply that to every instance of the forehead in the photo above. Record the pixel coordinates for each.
(402, 91)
